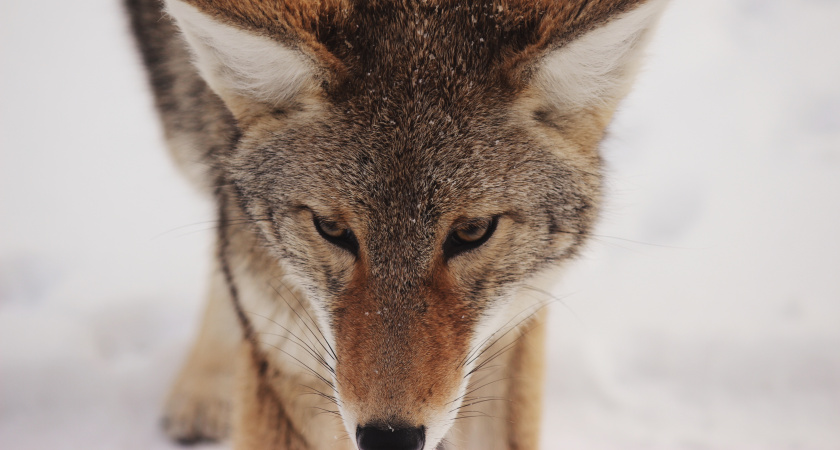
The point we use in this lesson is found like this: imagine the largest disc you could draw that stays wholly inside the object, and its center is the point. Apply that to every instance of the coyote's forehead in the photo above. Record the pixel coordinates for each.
(402, 184)
(387, 166)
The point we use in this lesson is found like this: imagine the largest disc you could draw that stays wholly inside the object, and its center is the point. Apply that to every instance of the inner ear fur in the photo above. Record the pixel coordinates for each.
(263, 56)
(248, 69)
(594, 69)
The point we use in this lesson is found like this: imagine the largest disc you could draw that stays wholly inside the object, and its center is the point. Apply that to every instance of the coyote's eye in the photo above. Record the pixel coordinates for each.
(337, 234)
(469, 236)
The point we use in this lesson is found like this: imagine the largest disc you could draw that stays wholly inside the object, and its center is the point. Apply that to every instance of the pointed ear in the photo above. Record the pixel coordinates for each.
(598, 67)
(243, 67)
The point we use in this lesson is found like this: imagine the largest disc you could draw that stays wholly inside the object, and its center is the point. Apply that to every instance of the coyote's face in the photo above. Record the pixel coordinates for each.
(410, 235)
(410, 166)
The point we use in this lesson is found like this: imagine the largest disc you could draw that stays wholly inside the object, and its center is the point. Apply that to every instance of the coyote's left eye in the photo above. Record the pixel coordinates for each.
(337, 234)
(469, 236)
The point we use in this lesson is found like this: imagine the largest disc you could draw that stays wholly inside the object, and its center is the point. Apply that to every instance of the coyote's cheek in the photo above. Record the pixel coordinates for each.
(401, 355)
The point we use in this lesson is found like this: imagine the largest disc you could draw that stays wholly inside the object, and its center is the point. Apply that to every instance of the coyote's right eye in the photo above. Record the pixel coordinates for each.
(337, 234)
(469, 236)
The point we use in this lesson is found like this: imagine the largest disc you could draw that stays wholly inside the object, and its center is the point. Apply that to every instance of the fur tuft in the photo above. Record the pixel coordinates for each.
(598, 67)
(235, 62)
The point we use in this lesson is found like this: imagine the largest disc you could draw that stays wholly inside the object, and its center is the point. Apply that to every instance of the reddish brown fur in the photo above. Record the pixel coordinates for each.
(412, 350)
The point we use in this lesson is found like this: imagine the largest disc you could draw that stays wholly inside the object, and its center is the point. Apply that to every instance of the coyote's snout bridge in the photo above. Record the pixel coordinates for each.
(389, 178)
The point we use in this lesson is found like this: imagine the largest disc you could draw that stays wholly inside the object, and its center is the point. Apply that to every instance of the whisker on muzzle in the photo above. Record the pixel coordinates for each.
(312, 391)
(297, 341)
(323, 339)
(302, 365)
(481, 349)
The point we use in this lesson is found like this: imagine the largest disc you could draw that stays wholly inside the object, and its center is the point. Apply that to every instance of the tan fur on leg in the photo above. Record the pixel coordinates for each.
(503, 405)
(261, 420)
(527, 372)
(199, 405)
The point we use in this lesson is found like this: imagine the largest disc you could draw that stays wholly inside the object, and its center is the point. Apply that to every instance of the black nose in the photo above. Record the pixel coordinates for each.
(377, 438)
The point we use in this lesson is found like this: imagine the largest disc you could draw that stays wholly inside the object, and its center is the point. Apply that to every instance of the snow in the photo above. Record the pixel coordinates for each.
(705, 314)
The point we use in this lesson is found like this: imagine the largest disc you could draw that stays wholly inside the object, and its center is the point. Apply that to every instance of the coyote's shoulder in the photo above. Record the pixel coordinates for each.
(389, 176)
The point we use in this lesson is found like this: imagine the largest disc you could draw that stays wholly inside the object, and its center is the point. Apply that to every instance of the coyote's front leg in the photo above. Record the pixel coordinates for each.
(199, 405)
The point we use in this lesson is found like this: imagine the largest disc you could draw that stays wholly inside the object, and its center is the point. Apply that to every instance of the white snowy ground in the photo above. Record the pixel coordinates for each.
(707, 316)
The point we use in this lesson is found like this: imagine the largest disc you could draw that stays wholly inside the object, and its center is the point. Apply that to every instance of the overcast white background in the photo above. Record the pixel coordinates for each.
(706, 315)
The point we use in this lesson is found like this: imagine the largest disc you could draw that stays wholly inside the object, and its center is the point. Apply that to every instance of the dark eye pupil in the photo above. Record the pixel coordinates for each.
(337, 235)
(333, 229)
(469, 237)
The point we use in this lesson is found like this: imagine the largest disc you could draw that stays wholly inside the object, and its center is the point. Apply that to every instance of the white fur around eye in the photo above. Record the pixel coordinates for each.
(237, 62)
(598, 67)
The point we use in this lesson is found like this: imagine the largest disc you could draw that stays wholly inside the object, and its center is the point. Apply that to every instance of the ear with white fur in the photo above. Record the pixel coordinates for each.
(597, 68)
(238, 64)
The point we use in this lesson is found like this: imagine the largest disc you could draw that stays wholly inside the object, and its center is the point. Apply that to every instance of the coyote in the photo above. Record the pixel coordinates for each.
(389, 176)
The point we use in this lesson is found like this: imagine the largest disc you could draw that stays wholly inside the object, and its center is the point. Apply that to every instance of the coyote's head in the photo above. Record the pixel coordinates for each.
(411, 164)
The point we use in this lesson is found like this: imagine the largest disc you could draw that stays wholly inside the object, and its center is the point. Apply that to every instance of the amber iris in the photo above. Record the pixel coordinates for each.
(336, 234)
(469, 235)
